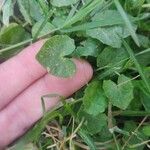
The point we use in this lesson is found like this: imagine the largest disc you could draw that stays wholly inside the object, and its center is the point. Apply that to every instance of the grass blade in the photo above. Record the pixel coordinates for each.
(138, 66)
(7, 11)
(83, 12)
(87, 139)
(127, 22)
(49, 14)
(72, 12)
(93, 24)
(24, 11)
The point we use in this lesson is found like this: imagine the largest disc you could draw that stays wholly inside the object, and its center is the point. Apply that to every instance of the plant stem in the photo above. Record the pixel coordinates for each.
(139, 144)
(110, 124)
(131, 113)
(16, 45)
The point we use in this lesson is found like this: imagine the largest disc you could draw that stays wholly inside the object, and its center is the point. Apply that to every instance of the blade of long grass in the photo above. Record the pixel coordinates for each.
(49, 14)
(83, 12)
(44, 6)
(127, 22)
(94, 24)
(146, 5)
(138, 145)
(26, 42)
(72, 12)
(130, 113)
(43, 98)
(1, 4)
(138, 66)
(87, 139)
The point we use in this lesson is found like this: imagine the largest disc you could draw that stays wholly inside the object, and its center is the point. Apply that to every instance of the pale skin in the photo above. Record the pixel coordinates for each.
(22, 83)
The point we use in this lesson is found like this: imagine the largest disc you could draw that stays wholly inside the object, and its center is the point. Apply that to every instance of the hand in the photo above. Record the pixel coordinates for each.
(22, 83)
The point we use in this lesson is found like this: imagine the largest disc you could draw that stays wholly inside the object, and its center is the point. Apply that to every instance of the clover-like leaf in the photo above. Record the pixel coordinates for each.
(13, 34)
(146, 130)
(109, 35)
(119, 94)
(30, 10)
(94, 100)
(87, 48)
(112, 57)
(94, 124)
(52, 56)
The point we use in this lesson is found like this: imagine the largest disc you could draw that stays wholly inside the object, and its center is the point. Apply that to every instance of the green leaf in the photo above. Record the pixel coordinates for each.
(145, 25)
(94, 100)
(111, 61)
(52, 56)
(135, 104)
(109, 18)
(144, 41)
(134, 6)
(145, 99)
(58, 21)
(96, 123)
(35, 10)
(7, 11)
(109, 35)
(119, 94)
(12, 34)
(48, 27)
(88, 48)
(58, 3)
(30, 9)
(105, 134)
(111, 58)
(146, 130)
(144, 58)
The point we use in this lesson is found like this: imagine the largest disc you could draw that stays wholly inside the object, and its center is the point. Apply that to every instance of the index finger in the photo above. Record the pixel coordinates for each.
(19, 72)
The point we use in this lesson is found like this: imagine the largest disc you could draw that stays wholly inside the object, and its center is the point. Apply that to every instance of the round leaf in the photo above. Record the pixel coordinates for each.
(12, 34)
(146, 130)
(52, 56)
(94, 100)
(119, 94)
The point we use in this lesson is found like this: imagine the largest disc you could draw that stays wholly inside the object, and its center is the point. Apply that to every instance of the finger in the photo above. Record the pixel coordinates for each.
(26, 109)
(19, 72)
